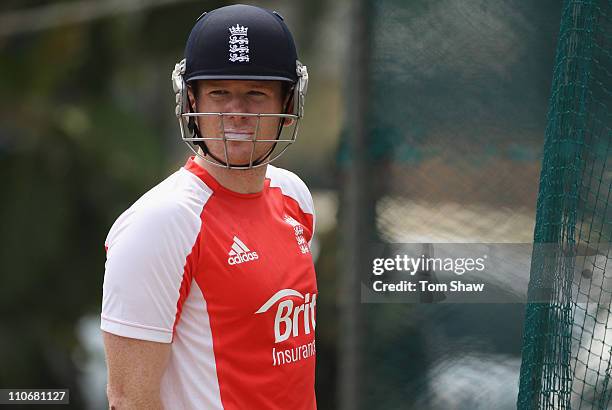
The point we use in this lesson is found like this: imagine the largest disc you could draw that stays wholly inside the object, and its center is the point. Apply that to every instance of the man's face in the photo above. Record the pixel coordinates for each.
(238, 96)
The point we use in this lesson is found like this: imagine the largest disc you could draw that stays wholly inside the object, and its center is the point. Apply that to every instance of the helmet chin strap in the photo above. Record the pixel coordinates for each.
(193, 127)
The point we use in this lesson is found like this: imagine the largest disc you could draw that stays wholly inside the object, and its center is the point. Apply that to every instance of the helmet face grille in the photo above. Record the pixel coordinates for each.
(288, 124)
(260, 149)
(240, 42)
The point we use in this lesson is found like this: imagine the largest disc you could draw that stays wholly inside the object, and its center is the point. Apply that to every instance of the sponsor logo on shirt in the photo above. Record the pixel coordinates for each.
(291, 318)
(240, 253)
(290, 321)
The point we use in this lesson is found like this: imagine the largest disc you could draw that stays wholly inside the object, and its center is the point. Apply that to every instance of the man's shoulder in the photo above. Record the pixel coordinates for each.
(175, 201)
(282, 175)
(179, 188)
(290, 185)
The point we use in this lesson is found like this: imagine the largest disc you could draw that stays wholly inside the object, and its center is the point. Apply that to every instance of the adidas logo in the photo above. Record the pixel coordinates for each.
(240, 253)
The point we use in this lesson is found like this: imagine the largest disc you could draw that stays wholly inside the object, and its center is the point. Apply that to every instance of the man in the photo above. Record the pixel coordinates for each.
(210, 290)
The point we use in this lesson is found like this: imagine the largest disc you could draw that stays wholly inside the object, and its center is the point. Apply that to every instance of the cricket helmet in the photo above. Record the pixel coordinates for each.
(240, 42)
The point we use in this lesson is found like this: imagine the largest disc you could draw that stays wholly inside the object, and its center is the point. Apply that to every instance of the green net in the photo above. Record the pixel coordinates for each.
(567, 347)
(457, 93)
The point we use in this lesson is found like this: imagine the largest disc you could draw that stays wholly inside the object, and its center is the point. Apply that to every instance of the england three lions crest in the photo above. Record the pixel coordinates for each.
(238, 44)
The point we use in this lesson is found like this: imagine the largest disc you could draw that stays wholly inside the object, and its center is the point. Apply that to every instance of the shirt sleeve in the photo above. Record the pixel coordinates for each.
(292, 186)
(304, 198)
(314, 218)
(148, 271)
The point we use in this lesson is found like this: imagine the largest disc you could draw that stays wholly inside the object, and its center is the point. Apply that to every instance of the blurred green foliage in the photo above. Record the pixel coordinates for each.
(86, 127)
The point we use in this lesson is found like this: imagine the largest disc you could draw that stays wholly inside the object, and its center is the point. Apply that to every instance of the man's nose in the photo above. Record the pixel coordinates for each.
(238, 104)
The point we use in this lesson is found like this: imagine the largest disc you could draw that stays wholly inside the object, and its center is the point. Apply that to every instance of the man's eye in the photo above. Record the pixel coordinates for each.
(218, 92)
(257, 93)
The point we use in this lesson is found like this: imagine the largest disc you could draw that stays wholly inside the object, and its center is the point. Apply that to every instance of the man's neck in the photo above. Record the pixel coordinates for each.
(243, 181)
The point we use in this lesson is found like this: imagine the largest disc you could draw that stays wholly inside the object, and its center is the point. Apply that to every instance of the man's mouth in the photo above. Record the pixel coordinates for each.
(239, 135)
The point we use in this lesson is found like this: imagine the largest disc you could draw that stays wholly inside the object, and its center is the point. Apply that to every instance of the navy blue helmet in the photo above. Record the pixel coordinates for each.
(239, 42)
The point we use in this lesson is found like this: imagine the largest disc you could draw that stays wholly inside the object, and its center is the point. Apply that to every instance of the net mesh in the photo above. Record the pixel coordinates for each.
(457, 93)
(566, 361)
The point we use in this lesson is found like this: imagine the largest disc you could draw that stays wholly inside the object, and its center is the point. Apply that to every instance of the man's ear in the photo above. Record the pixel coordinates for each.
(191, 96)
(289, 104)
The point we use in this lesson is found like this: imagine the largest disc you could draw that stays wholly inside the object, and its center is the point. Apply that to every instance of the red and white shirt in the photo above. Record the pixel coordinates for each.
(229, 280)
